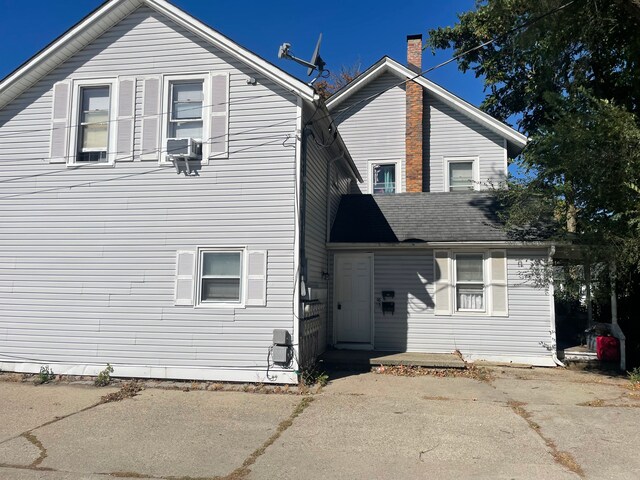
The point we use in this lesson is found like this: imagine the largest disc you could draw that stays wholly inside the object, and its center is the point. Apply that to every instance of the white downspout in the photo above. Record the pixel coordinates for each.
(552, 312)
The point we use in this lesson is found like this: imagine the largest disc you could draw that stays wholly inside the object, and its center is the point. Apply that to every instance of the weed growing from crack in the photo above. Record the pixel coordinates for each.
(563, 458)
(104, 377)
(45, 376)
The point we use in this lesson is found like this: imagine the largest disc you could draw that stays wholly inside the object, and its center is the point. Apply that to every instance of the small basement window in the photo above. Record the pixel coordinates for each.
(220, 276)
(93, 128)
(470, 286)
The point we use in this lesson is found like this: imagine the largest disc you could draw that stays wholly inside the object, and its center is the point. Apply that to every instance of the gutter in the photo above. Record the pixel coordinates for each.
(421, 245)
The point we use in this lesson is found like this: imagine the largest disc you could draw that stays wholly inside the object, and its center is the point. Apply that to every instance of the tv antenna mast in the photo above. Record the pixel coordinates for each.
(316, 62)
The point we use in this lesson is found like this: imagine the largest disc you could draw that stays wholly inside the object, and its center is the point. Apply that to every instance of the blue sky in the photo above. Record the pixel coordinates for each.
(353, 31)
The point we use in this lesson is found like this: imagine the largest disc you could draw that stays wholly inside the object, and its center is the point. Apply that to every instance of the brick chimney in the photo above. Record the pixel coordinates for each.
(414, 117)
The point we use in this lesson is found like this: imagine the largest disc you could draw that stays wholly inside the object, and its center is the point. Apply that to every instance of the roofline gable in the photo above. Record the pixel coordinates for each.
(110, 13)
(388, 65)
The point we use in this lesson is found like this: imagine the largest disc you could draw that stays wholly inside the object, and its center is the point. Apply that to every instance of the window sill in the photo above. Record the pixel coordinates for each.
(221, 306)
(78, 166)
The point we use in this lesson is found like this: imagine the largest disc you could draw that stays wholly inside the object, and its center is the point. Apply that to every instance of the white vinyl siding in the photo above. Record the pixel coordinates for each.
(88, 256)
(375, 129)
(415, 328)
(451, 135)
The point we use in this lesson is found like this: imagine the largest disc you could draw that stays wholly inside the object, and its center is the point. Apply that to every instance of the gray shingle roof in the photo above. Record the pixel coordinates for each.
(426, 217)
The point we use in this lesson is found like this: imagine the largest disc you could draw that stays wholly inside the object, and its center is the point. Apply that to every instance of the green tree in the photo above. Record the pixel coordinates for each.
(569, 73)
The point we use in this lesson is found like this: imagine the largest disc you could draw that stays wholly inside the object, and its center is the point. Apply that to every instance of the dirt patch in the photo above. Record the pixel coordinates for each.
(128, 390)
(470, 371)
(561, 457)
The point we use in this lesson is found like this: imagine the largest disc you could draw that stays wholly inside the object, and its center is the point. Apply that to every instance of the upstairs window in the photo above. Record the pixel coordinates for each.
(461, 174)
(384, 178)
(93, 126)
(186, 106)
(470, 287)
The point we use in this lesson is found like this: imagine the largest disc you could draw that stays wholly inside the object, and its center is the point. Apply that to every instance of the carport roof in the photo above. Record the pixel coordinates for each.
(418, 217)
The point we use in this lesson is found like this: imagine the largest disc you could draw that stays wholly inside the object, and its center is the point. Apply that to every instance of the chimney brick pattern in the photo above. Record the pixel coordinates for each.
(414, 117)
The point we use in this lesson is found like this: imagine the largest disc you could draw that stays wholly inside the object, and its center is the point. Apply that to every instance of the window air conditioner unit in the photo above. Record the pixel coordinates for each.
(183, 148)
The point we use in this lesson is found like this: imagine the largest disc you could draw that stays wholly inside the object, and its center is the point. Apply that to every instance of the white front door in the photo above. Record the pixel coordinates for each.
(352, 304)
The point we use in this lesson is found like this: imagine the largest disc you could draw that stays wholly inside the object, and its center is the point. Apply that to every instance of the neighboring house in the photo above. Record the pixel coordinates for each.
(176, 264)
(419, 260)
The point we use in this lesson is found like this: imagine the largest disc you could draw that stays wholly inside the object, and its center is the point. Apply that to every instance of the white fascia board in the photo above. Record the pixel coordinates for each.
(389, 65)
(430, 245)
(227, 45)
(108, 15)
(374, 72)
(60, 50)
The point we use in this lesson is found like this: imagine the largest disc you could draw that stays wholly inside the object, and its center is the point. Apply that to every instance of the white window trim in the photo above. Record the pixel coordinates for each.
(243, 277)
(486, 265)
(74, 121)
(475, 170)
(397, 164)
(166, 111)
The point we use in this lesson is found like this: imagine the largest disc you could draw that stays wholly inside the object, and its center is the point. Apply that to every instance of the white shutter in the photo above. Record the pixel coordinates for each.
(256, 278)
(185, 273)
(60, 123)
(124, 119)
(219, 119)
(443, 297)
(151, 119)
(498, 286)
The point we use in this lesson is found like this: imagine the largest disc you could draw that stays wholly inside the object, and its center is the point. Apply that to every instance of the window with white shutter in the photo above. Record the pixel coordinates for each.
(219, 121)
(498, 283)
(125, 119)
(257, 277)
(443, 292)
(60, 122)
(92, 123)
(185, 272)
(471, 282)
(151, 104)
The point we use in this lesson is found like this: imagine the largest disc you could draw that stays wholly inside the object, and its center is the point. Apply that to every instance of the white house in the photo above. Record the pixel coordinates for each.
(420, 261)
(113, 251)
(178, 207)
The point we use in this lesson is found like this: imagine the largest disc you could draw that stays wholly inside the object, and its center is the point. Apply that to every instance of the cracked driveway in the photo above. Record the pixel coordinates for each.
(525, 424)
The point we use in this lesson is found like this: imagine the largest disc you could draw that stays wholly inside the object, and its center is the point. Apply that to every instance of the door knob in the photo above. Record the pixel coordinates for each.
(339, 306)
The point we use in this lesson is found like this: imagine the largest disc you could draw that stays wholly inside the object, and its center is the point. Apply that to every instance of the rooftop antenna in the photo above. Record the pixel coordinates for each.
(316, 62)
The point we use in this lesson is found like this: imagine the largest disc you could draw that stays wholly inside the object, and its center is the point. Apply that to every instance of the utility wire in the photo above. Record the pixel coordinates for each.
(149, 152)
(452, 59)
(129, 175)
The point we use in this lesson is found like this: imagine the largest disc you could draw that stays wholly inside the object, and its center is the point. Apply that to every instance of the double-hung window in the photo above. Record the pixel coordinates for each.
(186, 108)
(461, 174)
(384, 177)
(94, 123)
(221, 276)
(469, 282)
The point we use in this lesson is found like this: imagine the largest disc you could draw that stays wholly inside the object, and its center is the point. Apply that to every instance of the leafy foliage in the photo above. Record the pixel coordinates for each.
(104, 377)
(45, 376)
(571, 78)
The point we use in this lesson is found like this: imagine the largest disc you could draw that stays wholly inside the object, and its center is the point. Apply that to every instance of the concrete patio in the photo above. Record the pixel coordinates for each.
(367, 358)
